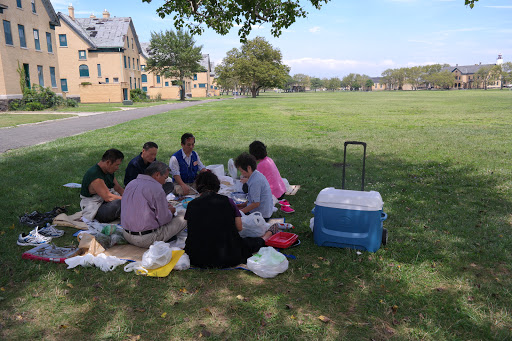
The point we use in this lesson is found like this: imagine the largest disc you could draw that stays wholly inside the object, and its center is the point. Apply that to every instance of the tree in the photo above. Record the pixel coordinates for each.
(174, 55)
(369, 83)
(316, 83)
(506, 75)
(225, 71)
(257, 65)
(301, 80)
(221, 16)
(443, 79)
(483, 75)
(414, 76)
(333, 84)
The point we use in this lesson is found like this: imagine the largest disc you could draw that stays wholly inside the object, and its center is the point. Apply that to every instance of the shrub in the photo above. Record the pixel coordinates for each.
(70, 103)
(138, 95)
(34, 106)
(158, 97)
(15, 105)
(86, 83)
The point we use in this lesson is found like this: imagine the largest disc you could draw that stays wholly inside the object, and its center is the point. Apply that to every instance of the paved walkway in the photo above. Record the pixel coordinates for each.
(37, 133)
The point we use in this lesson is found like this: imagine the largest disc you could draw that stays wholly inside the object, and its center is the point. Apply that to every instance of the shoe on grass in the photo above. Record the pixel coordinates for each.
(283, 203)
(51, 231)
(287, 209)
(34, 238)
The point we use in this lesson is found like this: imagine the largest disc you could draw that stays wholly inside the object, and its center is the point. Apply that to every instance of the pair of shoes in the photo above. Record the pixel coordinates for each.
(283, 203)
(287, 209)
(51, 231)
(285, 226)
(34, 238)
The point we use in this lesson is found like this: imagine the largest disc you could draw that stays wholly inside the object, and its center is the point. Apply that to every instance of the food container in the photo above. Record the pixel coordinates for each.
(282, 240)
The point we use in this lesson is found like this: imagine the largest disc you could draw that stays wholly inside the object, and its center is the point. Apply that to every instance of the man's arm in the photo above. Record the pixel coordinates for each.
(180, 182)
(238, 223)
(118, 187)
(98, 187)
(175, 171)
(250, 207)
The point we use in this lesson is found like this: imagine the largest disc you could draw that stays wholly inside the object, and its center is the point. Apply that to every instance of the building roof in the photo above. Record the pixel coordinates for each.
(102, 33)
(54, 19)
(469, 69)
(144, 50)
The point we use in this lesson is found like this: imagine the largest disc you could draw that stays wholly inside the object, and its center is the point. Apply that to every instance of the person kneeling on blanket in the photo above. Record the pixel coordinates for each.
(213, 224)
(146, 216)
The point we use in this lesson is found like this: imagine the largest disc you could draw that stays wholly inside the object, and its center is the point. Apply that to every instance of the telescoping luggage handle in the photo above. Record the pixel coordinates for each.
(345, 161)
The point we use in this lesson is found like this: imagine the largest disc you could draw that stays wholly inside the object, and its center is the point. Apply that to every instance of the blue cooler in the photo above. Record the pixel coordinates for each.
(351, 219)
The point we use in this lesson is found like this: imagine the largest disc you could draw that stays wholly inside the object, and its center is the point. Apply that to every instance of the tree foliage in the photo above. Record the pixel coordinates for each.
(316, 83)
(221, 16)
(174, 55)
(255, 65)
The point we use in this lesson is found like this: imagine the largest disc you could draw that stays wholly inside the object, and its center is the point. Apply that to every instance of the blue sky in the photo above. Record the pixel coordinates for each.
(351, 36)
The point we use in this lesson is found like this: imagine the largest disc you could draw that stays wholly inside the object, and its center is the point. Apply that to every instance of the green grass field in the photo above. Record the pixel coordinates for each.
(441, 161)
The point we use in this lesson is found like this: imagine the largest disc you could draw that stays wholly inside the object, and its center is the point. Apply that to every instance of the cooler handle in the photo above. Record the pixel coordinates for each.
(383, 216)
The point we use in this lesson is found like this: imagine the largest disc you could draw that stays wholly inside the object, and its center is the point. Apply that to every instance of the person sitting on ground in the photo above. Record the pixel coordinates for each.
(139, 163)
(213, 222)
(100, 192)
(259, 195)
(267, 167)
(185, 164)
(146, 216)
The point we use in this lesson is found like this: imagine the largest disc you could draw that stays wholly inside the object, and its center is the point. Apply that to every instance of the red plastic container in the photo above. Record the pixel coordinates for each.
(282, 240)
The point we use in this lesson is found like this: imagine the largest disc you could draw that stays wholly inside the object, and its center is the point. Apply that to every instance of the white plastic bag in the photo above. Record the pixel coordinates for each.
(267, 263)
(102, 261)
(183, 263)
(254, 225)
(158, 255)
(232, 169)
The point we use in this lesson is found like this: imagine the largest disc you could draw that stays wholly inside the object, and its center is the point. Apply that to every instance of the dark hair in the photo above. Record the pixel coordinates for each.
(112, 155)
(258, 150)
(207, 181)
(149, 145)
(185, 137)
(244, 160)
(156, 167)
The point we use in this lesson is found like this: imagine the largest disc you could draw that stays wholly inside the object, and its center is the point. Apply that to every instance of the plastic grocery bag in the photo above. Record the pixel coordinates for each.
(232, 169)
(102, 261)
(158, 255)
(267, 263)
(254, 225)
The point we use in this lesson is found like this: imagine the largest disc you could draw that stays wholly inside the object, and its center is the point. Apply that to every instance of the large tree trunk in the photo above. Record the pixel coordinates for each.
(182, 89)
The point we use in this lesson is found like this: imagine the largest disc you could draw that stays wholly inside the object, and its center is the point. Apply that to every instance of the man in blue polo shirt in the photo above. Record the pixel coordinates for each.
(185, 165)
(139, 163)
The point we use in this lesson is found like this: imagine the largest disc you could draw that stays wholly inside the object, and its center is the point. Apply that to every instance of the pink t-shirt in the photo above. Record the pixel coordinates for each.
(268, 168)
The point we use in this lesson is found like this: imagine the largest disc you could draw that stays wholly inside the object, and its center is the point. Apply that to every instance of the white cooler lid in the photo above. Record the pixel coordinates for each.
(347, 199)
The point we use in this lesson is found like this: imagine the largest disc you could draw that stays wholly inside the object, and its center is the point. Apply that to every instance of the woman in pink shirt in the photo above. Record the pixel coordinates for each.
(267, 167)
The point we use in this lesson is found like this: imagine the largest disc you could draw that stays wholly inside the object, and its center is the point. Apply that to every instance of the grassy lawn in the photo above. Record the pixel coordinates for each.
(101, 107)
(442, 162)
(11, 120)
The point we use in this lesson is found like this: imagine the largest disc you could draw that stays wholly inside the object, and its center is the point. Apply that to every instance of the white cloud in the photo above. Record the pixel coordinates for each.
(315, 29)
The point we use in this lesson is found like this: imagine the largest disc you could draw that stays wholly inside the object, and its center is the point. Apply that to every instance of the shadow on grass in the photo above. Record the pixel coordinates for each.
(443, 274)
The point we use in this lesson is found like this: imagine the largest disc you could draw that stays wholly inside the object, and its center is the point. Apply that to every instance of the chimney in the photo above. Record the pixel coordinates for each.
(92, 16)
(71, 11)
(106, 14)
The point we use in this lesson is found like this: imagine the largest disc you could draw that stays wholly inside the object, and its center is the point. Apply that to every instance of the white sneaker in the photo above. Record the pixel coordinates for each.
(34, 238)
(51, 231)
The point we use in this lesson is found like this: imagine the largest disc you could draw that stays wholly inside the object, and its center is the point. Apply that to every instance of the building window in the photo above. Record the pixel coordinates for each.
(195, 76)
(133, 62)
(137, 63)
(128, 42)
(7, 32)
(202, 85)
(145, 88)
(106, 79)
(130, 82)
(40, 75)
(82, 54)
(195, 85)
(64, 85)
(158, 79)
(36, 40)
(116, 80)
(166, 83)
(144, 78)
(99, 70)
(63, 41)
(18, 3)
(34, 6)
(143, 67)
(84, 70)
(26, 68)
(49, 42)
(52, 77)
(124, 61)
(21, 32)
(132, 43)
(129, 67)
